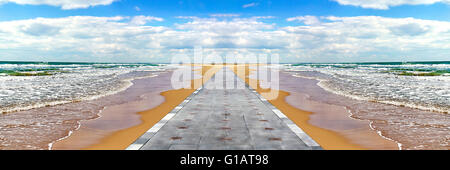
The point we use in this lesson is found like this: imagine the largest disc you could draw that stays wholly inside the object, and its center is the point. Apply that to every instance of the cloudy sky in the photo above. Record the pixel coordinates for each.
(156, 30)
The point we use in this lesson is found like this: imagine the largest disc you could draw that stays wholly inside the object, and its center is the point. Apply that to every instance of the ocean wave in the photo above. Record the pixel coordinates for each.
(422, 89)
(27, 87)
(323, 84)
(129, 82)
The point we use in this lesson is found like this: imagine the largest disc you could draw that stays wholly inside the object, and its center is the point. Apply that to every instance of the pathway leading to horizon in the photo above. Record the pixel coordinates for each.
(225, 119)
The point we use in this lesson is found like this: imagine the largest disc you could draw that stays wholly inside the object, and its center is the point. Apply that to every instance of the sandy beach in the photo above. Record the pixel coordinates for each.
(117, 117)
(115, 121)
(328, 125)
(332, 117)
(408, 127)
(125, 124)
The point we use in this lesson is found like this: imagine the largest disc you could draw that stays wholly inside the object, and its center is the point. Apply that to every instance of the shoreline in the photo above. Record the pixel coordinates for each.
(350, 114)
(92, 130)
(324, 83)
(338, 120)
(399, 104)
(332, 116)
(129, 84)
(409, 128)
(123, 137)
(326, 137)
(332, 120)
(57, 122)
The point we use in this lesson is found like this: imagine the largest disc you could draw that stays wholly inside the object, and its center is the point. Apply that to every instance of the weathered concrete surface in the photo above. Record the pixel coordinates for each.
(223, 115)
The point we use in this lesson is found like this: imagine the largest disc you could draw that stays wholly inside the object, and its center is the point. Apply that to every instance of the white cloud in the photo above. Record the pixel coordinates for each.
(309, 20)
(186, 17)
(92, 37)
(224, 26)
(385, 4)
(38, 29)
(355, 36)
(102, 38)
(249, 5)
(224, 15)
(142, 20)
(411, 29)
(263, 17)
(64, 4)
(224, 33)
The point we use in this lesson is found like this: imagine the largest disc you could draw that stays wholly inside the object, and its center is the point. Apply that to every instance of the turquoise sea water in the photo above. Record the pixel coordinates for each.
(421, 85)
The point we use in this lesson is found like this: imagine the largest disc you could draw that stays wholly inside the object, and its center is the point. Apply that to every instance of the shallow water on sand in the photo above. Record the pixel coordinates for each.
(411, 128)
(420, 85)
(28, 85)
(37, 128)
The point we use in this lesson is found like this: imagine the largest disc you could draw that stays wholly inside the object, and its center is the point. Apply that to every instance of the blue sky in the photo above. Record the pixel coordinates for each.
(155, 30)
(171, 8)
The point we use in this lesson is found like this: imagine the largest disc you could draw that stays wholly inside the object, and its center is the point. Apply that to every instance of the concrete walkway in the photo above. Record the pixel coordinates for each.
(225, 119)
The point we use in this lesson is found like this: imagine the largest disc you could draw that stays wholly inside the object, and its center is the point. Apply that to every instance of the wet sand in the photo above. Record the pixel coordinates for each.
(330, 126)
(333, 117)
(128, 114)
(35, 129)
(116, 117)
(410, 128)
(139, 117)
